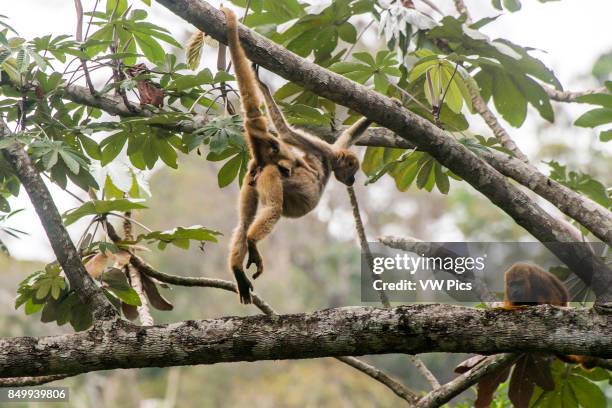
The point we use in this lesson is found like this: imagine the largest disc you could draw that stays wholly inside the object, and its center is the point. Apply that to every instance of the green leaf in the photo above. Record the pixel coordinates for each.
(424, 173)
(441, 179)
(509, 101)
(606, 135)
(604, 100)
(512, 5)
(229, 171)
(112, 146)
(180, 236)
(70, 162)
(100, 207)
(348, 33)
(165, 151)
(587, 393)
(595, 117)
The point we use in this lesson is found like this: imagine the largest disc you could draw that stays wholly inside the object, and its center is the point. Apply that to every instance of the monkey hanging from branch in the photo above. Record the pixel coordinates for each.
(279, 181)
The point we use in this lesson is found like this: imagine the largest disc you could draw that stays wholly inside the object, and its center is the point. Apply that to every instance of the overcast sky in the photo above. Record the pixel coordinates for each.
(572, 32)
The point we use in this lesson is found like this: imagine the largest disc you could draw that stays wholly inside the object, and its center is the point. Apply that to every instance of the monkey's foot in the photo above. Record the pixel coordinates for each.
(254, 258)
(244, 286)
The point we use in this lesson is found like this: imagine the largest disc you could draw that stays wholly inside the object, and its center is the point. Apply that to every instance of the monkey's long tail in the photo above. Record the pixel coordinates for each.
(247, 82)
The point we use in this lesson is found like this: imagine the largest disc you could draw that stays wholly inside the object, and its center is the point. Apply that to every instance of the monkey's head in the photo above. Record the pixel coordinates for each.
(345, 166)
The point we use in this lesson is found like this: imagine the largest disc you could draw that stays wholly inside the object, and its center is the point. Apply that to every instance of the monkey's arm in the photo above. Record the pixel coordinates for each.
(350, 135)
(270, 188)
(288, 134)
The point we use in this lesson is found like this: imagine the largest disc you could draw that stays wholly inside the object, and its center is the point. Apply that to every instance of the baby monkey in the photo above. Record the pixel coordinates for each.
(279, 181)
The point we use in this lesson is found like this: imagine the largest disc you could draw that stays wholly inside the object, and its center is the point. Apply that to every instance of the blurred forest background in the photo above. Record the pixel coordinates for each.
(316, 258)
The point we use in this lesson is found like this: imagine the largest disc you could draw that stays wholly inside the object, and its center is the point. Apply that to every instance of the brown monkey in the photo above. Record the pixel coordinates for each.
(283, 182)
(529, 285)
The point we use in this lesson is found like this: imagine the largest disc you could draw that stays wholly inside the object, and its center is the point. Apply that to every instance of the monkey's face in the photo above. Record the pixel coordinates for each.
(518, 291)
(345, 167)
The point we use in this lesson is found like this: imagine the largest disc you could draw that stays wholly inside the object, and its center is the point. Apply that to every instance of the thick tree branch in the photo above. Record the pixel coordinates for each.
(417, 130)
(587, 212)
(327, 333)
(51, 220)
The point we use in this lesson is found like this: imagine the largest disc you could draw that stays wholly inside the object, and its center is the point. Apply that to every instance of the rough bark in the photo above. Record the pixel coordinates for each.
(51, 220)
(337, 332)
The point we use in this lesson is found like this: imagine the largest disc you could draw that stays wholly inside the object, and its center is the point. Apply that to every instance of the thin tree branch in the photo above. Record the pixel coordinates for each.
(425, 372)
(144, 312)
(463, 11)
(491, 120)
(380, 376)
(79, 37)
(446, 392)
(51, 220)
(570, 96)
(363, 241)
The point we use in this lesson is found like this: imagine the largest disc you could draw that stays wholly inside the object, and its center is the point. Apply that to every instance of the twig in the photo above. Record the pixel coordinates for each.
(365, 248)
(429, 376)
(491, 120)
(352, 47)
(79, 37)
(569, 96)
(463, 11)
(397, 388)
(455, 387)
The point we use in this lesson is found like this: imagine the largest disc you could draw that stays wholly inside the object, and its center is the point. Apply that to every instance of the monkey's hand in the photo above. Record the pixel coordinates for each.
(254, 258)
(244, 286)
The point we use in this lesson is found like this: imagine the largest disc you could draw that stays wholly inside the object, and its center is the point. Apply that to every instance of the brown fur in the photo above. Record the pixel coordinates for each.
(284, 183)
(529, 285)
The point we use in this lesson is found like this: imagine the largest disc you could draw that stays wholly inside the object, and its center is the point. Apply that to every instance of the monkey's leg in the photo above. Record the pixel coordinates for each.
(238, 248)
(270, 189)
